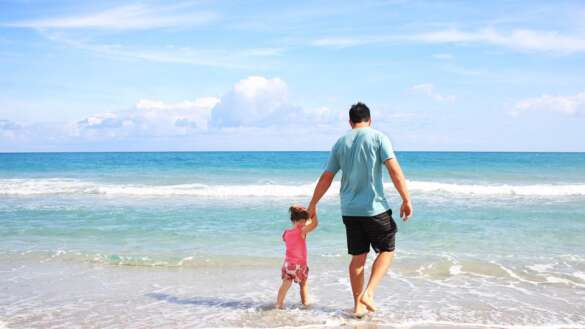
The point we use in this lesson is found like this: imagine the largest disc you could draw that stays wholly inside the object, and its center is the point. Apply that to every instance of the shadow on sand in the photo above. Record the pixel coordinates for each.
(211, 302)
(234, 304)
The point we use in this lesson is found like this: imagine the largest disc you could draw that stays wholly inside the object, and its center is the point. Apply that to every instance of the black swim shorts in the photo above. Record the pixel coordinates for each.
(378, 231)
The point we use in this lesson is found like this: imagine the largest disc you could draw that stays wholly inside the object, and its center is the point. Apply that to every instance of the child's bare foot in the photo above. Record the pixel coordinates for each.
(368, 301)
(359, 311)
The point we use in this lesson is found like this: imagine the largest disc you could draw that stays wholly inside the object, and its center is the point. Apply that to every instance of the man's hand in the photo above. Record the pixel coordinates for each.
(312, 210)
(400, 184)
(405, 210)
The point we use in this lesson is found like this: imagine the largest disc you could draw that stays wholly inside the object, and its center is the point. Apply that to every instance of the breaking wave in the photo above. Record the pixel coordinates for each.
(49, 186)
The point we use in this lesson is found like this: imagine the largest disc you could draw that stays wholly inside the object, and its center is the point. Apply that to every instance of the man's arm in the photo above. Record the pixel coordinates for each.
(400, 184)
(320, 190)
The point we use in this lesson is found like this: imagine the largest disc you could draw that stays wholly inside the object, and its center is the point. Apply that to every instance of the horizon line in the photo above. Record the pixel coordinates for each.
(283, 151)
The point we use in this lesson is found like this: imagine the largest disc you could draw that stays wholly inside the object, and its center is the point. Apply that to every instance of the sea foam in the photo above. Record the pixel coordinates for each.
(25, 187)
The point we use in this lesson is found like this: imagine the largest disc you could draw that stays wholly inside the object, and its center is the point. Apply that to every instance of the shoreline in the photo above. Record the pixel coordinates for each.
(65, 294)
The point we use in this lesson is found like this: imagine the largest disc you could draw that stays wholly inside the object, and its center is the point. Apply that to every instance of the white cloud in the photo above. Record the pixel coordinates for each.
(199, 104)
(9, 129)
(123, 17)
(142, 16)
(8, 125)
(231, 59)
(324, 115)
(256, 110)
(255, 101)
(186, 114)
(429, 90)
(149, 118)
(101, 120)
(518, 39)
(252, 103)
(568, 105)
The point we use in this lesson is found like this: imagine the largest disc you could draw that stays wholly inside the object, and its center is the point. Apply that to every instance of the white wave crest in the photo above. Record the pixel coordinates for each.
(26, 187)
(500, 189)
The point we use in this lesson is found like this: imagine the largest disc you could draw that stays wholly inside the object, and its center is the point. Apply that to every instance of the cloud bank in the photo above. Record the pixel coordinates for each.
(148, 118)
(255, 105)
(255, 101)
(127, 17)
(517, 39)
(567, 105)
(9, 129)
(429, 90)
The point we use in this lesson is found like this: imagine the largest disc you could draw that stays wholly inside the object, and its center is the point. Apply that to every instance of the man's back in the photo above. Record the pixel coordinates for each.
(360, 154)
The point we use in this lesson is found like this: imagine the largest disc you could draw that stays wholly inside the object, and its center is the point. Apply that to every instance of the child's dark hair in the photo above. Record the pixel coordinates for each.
(298, 213)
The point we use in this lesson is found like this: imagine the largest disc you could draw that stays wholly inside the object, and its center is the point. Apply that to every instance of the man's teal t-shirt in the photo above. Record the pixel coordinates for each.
(360, 154)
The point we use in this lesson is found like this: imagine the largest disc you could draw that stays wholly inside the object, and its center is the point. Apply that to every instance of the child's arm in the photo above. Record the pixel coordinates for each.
(310, 225)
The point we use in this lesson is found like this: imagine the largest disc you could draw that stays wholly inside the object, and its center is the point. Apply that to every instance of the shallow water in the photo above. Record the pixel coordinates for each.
(140, 240)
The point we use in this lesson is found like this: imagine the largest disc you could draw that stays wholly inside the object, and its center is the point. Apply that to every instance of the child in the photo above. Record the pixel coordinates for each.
(295, 261)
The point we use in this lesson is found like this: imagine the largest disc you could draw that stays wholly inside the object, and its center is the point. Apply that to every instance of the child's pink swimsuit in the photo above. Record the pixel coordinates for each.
(295, 262)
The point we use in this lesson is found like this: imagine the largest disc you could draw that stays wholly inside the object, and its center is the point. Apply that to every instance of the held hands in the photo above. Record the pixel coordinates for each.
(312, 210)
(405, 210)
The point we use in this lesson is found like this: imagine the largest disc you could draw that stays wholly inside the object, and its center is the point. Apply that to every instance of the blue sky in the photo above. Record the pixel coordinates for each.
(271, 75)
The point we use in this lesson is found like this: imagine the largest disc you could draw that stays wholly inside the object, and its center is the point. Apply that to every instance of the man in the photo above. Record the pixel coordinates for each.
(360, 154)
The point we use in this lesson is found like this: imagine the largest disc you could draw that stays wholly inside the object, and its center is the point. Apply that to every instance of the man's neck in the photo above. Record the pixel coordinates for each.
(361, 125)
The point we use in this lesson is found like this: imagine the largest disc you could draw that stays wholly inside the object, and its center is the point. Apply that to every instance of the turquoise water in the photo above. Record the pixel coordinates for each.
(511, 223)
(288, 166)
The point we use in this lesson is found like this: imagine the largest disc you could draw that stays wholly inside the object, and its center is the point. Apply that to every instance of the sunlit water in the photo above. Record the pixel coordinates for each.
(140, 240)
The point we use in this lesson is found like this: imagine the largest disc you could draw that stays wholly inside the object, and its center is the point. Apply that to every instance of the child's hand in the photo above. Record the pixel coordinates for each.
(311, 224)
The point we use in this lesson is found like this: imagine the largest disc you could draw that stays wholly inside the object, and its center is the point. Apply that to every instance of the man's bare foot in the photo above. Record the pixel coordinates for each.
(368, 301)
(279, 306)
(359, 311)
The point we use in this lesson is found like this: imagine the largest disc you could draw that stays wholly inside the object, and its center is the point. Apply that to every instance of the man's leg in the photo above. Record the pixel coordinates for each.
(379, 269)
(356, 277)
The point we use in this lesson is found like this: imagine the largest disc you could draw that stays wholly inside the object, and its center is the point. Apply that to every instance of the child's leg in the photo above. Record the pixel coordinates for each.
(286, 283)
(304, 288)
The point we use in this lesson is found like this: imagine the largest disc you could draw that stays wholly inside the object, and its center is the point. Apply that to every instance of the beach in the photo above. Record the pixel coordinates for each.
(193, 239)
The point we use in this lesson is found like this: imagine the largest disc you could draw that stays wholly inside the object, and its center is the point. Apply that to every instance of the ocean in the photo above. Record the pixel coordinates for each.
(193, 239)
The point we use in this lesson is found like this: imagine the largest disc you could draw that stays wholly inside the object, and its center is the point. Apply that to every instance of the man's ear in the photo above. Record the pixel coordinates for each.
(350, 123)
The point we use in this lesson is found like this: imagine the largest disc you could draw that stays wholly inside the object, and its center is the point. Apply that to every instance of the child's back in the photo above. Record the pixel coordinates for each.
(296, 246)
(295, 268)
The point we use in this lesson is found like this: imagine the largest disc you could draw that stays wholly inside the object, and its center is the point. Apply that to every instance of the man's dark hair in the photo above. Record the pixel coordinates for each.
(359, 112)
